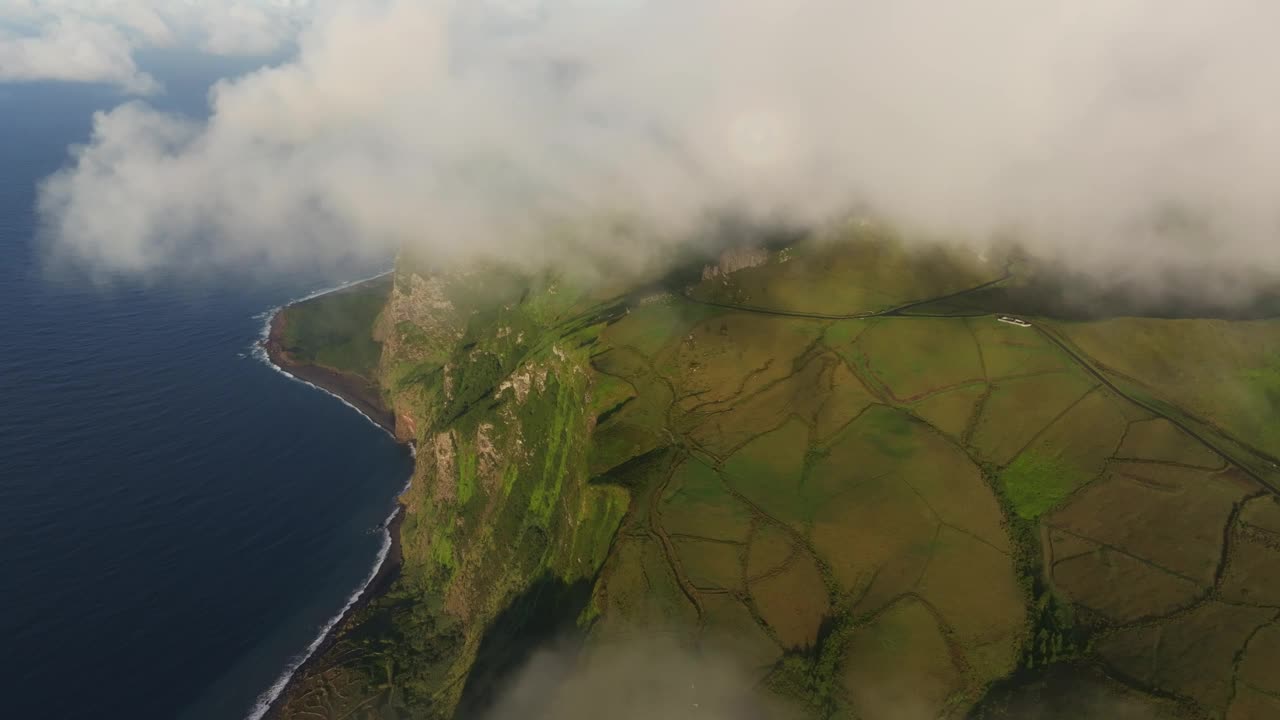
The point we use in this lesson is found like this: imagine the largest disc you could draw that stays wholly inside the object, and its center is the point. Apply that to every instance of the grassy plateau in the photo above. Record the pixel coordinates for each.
(830, 462)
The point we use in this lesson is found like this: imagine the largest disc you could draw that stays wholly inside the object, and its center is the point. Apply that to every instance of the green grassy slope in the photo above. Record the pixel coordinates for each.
(875, 515)
(336, 330)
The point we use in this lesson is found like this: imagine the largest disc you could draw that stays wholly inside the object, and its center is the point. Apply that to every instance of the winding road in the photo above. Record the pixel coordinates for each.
(1076, 356)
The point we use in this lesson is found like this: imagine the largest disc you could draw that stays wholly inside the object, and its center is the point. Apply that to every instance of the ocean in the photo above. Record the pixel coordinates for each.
(178, 520)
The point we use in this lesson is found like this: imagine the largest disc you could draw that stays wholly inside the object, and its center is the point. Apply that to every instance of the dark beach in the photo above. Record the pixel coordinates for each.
(378, 584)
(355, 390)
(366, 397)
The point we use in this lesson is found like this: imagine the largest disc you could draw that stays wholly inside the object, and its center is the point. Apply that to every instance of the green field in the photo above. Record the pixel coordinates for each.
(1227, 373)
(1068, 455)
(336, 330)
(882, 516)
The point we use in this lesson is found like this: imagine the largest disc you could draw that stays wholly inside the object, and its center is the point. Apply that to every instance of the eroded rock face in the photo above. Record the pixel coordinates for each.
(497, 409)
(735, 259)
(418, 309)
(406, 427)
(419, 325)
(444, 453)
(522, 381)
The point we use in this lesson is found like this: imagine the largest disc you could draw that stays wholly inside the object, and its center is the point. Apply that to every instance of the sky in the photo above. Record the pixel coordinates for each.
(96, 41)
(1104, 134)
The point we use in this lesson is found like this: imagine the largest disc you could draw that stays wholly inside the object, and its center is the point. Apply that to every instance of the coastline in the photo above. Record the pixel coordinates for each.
(358, 392)
(364, 397)
(384, 572)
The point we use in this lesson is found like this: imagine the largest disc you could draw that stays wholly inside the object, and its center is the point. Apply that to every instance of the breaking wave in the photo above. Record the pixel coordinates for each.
(259, 348)
(259, 351)
(269, 696)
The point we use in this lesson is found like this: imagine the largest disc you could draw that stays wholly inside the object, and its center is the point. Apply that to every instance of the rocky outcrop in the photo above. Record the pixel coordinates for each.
(735, 259)
(474, 379)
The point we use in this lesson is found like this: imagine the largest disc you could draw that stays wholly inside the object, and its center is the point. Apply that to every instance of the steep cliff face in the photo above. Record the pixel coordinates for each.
(419, 327)
(491, 382)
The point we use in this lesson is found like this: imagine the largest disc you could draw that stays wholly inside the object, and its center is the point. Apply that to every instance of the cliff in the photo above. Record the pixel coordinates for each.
(826, 473)
(489, 377)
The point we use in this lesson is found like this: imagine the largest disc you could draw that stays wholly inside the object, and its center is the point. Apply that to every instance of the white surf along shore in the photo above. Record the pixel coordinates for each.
(268, 697)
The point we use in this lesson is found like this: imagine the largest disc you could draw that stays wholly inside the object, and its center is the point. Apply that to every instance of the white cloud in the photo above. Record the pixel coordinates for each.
(96, 40)
(472, 127)
(237, 27)
(73, 50)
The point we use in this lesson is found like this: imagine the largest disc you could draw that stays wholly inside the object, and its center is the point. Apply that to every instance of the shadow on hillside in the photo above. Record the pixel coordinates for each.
(1070, 692)
(547, 611)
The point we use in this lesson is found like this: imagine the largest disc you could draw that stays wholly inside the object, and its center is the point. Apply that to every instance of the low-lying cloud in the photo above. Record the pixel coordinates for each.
(651, 675)
(638, 680)
(1104, 132)
(95, 41)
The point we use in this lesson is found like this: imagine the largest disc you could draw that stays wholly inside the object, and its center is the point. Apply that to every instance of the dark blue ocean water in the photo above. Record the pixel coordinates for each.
(177, 519)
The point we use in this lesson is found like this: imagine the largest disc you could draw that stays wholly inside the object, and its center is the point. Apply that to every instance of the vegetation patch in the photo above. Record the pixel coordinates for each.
(877, 442)
(710, 564)
(888, 456)
(847, 400)
(1170, 517)
(1035, 483)
(1263, 514)
(1252, 575)
(1222, 371)
(1010, 351)
(1122, 588)
(697, 503)
(608, 395)
(953, 488)
(852, 507)
(1018, 410)
(770, 548)
(951, 412)
(793, 602)
(1192, 654)
(335, 330)
(623, 363)
(729, 627)
(649, 326)
(632, 429)
(1249, 703)
(643, 593)
(899, 665)
(917, 357)
(721, 429)
(1260, 659)
(1159, 439)
(768, 472)
(841, 335)
(974, 587)
(736, 354)
(877, 539)
(1076, 691)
